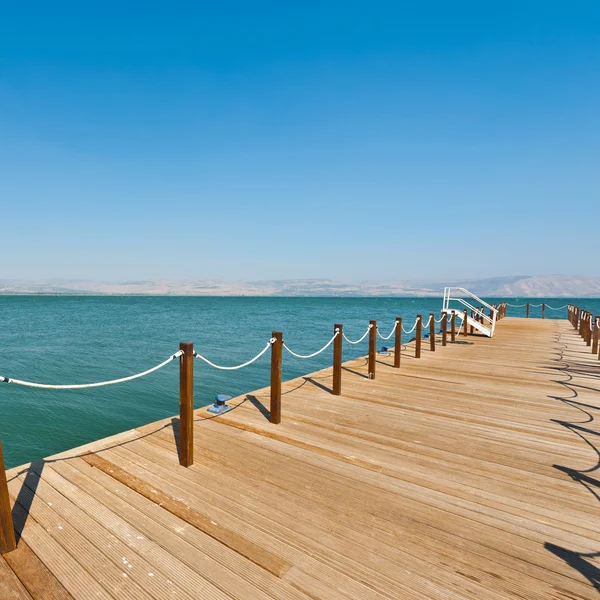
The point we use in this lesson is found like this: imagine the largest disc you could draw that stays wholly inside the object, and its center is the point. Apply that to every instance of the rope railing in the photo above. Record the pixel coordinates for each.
(337, 332)
(412, 328)
(360, 339)
(587, 326)
(538, 305)
(188, 356)
(528, 306)
(80, 386)
(387, 337)
(235, 367)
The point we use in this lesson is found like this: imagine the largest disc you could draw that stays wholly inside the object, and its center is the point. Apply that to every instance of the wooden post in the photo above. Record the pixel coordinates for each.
(596, 335)
(337, 361)
(398, 342)
(444, 328)
(276, 360)
(7, 528)
(472, 317)
(453, 327)
(372, 348)
(465, 323)
(527, 311)
(418, 335)
(186, 405)
(588, 330)
(543, 310)
(432, 332)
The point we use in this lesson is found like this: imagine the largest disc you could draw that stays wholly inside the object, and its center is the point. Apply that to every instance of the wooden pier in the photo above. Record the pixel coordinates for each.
(470, 473)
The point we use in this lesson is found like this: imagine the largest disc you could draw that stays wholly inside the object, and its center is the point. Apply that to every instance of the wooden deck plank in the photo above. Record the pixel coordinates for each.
(350, 557)
(10, 586)
(333, 519)
(34, 575)
(200, 521)
(410, 508)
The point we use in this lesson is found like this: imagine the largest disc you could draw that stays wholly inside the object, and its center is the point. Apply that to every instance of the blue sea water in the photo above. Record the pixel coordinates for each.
(81, 339)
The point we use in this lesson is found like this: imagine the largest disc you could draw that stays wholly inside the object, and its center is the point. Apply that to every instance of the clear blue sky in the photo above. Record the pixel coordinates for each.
(253, 140)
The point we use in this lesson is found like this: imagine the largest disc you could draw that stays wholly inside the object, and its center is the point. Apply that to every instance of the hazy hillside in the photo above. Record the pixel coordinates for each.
(517, 286)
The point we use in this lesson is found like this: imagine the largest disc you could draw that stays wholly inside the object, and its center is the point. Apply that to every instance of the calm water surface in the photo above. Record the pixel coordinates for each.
(72, 339)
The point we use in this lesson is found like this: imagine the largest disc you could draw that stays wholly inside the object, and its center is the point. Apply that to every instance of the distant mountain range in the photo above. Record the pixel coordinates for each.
(548, 286)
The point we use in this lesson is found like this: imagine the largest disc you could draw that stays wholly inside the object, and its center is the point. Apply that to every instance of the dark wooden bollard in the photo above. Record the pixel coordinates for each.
(276, 361)
(596, 335)
(7, 528)
(398, 342)
(337, 361)
(472, 317)
(418, 336)
(453, 327)
(432, 332)
(372, 348)
(543, 310)
(466, 319)
(444, 329)
(588, 330)
(527, 311)
(186, 405)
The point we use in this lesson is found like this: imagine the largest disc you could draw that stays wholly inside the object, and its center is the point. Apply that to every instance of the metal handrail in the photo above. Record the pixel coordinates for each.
(468, 293)
(470, 306)
(448, 297)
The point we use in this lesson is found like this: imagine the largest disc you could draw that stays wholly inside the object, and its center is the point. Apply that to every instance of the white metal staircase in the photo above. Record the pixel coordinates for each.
(458, 300)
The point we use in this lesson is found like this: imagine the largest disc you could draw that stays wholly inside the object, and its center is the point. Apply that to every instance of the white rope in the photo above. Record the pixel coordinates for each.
(413, 327)
(428, 321)
(79, 386)
(391, 332)
(440, 320)
(337, 332)
(361, 339)
(559, 308)
(516, 305)
(212, 364)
